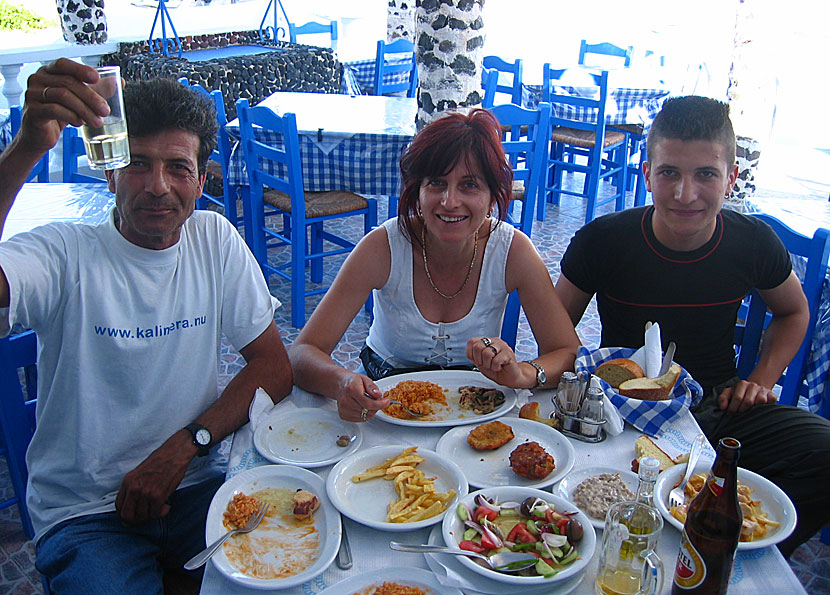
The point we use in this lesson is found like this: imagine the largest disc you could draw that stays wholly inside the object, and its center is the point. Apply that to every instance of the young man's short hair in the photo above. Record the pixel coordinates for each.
(694, 118)
(161, 104)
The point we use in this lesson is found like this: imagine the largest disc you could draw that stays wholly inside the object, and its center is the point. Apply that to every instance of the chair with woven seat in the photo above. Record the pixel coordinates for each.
(753, 313)
(604, 49)
(217, 190)
(40, 172)
(390, 73)
(313, 28)
(303, 213)
(579, 127)
(73, 148)
(504, 70)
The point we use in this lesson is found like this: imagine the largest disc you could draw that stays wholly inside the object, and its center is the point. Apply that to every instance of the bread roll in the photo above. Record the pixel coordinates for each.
(651, 389)
(617, 371)
(530, 410)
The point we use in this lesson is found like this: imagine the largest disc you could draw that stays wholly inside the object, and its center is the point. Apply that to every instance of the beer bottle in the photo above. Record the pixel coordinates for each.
(713, 528)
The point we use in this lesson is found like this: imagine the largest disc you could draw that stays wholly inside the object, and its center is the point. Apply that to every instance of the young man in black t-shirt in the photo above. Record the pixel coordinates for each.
(686, 264)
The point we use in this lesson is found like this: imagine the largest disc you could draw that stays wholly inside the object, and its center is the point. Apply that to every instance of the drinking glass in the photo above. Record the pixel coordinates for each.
(628, 562)
(107, 146)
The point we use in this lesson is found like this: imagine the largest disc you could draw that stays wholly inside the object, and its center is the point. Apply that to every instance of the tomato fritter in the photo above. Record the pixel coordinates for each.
(490, 436)
(532, 461)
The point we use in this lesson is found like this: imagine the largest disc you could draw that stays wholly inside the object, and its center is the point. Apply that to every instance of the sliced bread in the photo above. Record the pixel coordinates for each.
(617, 371)
(646, 447)
(651, 389)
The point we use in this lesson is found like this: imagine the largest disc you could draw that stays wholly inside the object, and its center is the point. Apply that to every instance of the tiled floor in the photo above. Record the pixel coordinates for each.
(811, 562)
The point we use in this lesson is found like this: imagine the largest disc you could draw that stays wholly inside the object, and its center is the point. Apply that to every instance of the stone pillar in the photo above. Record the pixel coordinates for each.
(400, 20)
(83, 21)
(449, 41)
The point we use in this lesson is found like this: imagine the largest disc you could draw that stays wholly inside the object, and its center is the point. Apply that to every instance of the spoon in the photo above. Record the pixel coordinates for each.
(501, 562)
(411, 412)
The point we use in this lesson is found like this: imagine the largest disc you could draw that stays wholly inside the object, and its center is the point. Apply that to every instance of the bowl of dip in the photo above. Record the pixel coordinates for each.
(595, 489)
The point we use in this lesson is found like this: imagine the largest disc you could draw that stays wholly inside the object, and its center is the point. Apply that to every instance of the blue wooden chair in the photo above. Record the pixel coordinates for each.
(748, 334)
(578, 127)
(73, 147)
(389, 74)
(503, 69)
(217, 189)
(40, 172)
(280, 171)
(17, 413)
(313, 28)
(604, 49)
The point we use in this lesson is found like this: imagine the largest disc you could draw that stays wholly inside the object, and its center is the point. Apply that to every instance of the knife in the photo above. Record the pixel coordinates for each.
(344, 555)
(667, 359)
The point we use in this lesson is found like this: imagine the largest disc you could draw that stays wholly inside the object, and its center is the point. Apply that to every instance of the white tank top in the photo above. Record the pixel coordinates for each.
(402, 336)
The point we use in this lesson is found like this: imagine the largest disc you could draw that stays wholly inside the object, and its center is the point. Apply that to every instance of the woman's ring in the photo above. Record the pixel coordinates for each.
(495, 351)
(487, 342)
(364, 414)
(43, 94)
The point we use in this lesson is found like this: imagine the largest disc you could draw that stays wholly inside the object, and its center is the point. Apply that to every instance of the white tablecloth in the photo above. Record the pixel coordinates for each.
(755, 571)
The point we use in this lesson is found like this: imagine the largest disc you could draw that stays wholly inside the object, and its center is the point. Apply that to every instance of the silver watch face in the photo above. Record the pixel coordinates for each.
(202, 437)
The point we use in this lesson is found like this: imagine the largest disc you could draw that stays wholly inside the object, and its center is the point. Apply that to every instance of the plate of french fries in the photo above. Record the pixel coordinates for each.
(396, 488)
(768, 514)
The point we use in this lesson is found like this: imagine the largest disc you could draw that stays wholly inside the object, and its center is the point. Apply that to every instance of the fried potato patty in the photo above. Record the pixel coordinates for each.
(490, 436)
(531, 460)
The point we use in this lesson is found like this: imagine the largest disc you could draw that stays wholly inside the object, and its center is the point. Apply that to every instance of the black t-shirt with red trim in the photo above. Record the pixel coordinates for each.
(693, 295)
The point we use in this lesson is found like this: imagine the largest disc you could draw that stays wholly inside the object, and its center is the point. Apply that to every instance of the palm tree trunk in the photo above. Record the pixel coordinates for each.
(449, 39)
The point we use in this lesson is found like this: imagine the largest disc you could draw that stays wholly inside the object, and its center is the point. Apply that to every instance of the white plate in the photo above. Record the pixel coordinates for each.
(567, 486)
(305, 437)
(774, 501)
(448, 379)
(366, 502)
(326, 520)
(450, 569)
(452, 530)
(407, 575)
(490, 468)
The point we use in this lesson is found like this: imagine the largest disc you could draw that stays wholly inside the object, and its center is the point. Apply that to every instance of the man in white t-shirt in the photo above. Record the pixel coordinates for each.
(129, 315)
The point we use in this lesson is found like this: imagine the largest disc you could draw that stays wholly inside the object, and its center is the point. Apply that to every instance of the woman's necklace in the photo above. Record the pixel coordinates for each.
(426, 266)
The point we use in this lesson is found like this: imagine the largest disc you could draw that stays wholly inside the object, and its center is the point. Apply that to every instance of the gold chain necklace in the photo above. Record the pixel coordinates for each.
(426, 266)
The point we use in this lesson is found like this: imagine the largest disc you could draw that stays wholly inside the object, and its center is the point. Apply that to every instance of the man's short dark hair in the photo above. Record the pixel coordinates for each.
(161, 104)
(694, 118)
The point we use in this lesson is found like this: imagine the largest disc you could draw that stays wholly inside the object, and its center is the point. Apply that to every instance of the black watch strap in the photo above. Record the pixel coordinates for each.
(202, 437)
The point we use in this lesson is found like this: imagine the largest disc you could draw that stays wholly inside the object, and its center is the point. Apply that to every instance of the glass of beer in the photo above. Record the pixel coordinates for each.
(107, 147)
(628, 562)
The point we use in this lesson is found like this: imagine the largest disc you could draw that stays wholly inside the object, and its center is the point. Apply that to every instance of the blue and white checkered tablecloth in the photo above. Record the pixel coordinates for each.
(363, 72)
(625, 105)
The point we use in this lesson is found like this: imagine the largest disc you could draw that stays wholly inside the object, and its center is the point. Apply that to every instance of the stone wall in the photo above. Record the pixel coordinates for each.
(290, 67)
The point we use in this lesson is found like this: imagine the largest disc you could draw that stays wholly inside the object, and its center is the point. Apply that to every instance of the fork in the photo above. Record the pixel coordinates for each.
(208, 552)
(411, 412)
(677, 496)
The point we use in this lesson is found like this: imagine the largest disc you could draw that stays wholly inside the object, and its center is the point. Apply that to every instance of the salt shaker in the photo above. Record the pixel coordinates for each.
(566, 395)
(592, 411)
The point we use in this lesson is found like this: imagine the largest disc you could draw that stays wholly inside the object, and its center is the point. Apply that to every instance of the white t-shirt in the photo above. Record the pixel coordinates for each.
(399, 332)
(128, 348)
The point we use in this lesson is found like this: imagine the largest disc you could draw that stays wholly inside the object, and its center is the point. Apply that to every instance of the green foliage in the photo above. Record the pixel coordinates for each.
(14, 18)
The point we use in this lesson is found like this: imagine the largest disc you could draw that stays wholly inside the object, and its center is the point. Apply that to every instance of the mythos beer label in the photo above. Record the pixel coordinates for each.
(715, 484)
(691, 569)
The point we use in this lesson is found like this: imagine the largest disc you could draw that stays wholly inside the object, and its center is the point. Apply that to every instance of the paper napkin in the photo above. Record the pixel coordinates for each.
(654, 351)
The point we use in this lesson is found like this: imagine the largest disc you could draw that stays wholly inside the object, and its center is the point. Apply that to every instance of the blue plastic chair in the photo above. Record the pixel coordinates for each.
(302, 212)
(604, 49)
(73, 147)
(386, 69)
(17, 413)
(513, 71)
(313, 28)
(605, 151)
(754, 311)
(219, 160)
(40, 172)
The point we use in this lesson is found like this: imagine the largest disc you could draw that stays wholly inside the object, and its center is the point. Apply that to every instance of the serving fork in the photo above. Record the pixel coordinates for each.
(677, 496)
(411, 412)
(208, 552)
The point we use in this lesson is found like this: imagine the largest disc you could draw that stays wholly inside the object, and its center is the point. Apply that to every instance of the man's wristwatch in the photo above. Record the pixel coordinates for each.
(201, 437)
(541, 377)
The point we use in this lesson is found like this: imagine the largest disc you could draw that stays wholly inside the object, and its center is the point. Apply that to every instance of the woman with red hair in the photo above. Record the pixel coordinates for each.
(440, 273)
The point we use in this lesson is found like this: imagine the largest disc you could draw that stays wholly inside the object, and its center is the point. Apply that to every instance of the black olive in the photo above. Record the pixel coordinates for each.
(527, 504)
(574, 530)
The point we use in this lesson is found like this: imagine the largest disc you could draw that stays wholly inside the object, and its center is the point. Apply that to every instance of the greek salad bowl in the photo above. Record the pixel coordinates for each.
(522, 519)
